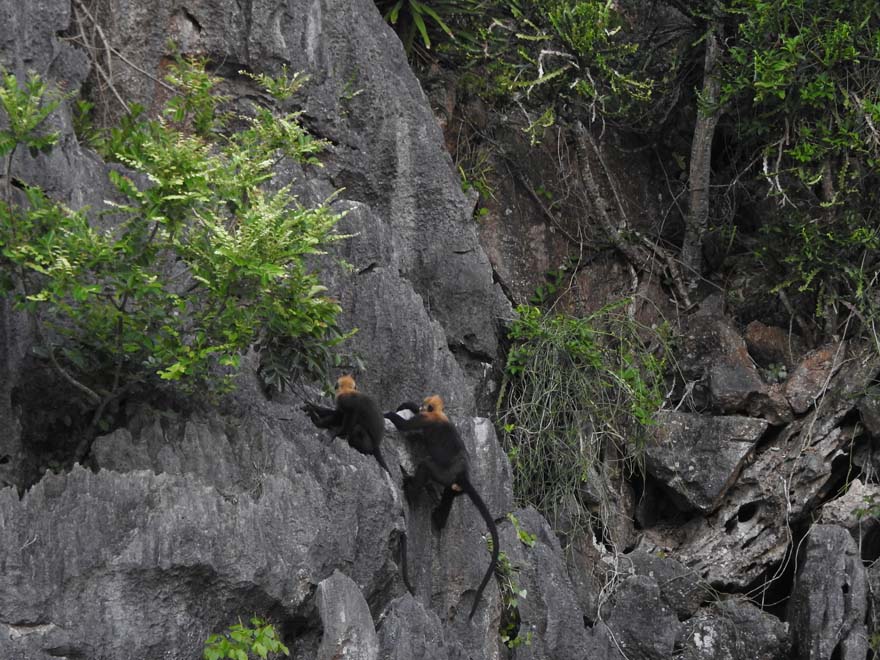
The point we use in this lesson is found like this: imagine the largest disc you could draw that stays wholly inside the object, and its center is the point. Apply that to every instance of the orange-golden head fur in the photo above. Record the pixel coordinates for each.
(345, 385)
(432, 408)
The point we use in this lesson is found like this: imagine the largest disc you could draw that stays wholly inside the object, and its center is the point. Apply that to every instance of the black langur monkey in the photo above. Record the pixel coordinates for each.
(356, 418)
(444, 459)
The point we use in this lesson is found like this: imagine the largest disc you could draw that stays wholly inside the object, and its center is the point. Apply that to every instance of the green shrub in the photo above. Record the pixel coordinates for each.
(411, 17)
(202, 258)
(576, 399)
(242, 642)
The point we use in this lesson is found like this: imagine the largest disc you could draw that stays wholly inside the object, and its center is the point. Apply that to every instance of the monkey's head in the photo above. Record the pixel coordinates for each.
(345, 384)
(433, 407)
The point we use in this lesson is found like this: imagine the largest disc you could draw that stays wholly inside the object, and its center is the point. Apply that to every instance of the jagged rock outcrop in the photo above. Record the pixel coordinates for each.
(643, 625)
(248, 526)
(733, 630)
(829, 602)
(790, 476)
(549, 612)
(680, 588)
(349, 633)
(411, 632)
(698, 456)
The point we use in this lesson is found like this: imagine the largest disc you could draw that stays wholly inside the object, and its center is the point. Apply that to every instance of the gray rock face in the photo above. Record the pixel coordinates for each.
(549, 611)
(700, 457)
(680, 587)
(348, 627)
(251, 512)
(102, 560)
(411, 632)
(589, 573)
(829, 601)
(789, 477)
(812, 376)
(715, 355)
(643, 625)
(735, 630)
(845, 510)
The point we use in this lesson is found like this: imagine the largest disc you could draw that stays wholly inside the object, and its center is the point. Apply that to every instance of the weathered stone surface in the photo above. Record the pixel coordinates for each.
(549, 610)
(735, 630)
(601, 644)
(589, 572)
(348, 633)
(127, 552)
(844, 511)
(789, 477)
(733, 382)
(869, 409)
(829, 600)
(715, 356)
(771, 404)
(680, 587)
(873, 572)
(643, 625)
(609, 495)
(699, 457)
(812, 376)
(411, 632)
(770, 344)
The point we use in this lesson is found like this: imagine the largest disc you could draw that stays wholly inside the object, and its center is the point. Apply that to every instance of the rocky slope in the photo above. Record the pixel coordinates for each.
(743, 541)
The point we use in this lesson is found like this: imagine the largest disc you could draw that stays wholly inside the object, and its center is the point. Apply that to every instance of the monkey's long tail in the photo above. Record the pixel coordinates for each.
(493, 530)
(381, 460)
(403, 564)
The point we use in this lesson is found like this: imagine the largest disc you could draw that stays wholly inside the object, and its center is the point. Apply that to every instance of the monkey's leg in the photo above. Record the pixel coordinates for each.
(441, 514)
(359, 439)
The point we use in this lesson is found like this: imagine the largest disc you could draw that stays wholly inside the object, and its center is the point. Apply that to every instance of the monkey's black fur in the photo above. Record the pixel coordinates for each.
(442, 458)
(356, 418)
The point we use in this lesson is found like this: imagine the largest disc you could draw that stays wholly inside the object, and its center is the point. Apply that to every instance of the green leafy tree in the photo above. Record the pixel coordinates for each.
(802, 75)
(200, 258)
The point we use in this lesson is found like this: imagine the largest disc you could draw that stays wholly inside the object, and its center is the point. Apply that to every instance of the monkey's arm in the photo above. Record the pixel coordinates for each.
(409, 405)
(411, 424)
(323, 418)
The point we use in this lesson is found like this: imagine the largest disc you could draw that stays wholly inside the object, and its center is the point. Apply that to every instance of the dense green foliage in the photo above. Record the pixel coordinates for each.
(242, 642)
(200, 257)
(577, 397)
(803, 77)
(411, 18)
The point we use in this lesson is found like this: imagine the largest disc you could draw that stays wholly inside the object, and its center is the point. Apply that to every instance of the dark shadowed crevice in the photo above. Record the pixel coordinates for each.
(837, 653)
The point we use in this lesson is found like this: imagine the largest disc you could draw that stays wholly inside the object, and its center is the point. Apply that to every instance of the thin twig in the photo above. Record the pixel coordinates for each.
(85, 389)
(122, 57)
(99, 68)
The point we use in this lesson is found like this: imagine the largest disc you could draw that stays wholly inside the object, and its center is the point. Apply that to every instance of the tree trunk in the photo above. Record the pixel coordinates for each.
(697, 219)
